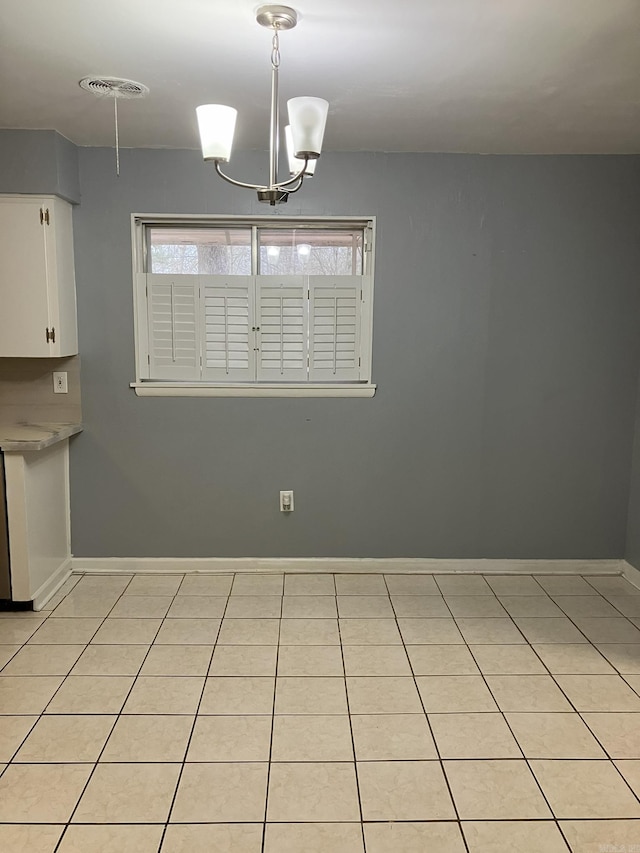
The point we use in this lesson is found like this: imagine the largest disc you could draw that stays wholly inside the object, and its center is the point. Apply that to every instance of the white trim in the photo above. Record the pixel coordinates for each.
(152, 218)
(52, 585)
(213, 565)
(202, 389)
(631, 573)
(139, 279)
(16, 491)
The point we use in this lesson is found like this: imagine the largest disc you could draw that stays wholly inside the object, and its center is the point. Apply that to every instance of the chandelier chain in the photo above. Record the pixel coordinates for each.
(275, 48)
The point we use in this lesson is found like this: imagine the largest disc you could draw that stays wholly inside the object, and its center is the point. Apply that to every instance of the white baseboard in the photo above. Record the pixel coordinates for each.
(52, 585)
(631, 573)
(225, 565)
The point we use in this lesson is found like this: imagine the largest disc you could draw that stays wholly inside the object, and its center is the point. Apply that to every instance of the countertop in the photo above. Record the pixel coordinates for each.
(23, 437)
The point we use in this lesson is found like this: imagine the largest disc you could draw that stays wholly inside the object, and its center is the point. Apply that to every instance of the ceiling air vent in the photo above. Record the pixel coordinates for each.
(114, 87)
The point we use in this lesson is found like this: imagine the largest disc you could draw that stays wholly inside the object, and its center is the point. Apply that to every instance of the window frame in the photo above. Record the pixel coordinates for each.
(145, 386)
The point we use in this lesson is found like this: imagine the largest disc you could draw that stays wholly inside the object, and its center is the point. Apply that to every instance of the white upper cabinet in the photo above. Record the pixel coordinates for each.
(37, 280)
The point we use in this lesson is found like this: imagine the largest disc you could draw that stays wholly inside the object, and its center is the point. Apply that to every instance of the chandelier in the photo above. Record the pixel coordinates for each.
(303, 135)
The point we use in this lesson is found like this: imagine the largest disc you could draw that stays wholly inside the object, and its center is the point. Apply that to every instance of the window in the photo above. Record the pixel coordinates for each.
(264, 306)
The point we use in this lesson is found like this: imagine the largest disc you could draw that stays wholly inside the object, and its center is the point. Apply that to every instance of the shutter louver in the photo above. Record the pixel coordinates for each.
(334, 328)
(283, 316)
(174, 348)
(228, 328)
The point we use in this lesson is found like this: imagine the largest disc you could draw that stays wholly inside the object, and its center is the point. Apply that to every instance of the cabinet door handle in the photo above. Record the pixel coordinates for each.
(42, 223)
(50, 336)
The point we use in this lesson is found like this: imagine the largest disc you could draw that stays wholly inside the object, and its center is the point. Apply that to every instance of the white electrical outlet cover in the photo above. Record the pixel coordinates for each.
(286, 500)
(60, 385)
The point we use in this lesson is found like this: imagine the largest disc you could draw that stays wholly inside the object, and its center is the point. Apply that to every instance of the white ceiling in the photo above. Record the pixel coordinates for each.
(411, 75)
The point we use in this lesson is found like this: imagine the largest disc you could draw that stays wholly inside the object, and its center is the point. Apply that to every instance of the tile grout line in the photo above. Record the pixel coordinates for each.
(21, 646)
(528, 761)
(273, 720)
(428, 721)
(602, 595)
(572, 619)
(118, 715)
(552, 676)
(588, 642)
(195, 716)
(353, 743)
(609, 758)
(513, 735)
(570, 701)
(544, 796)
(42, 713)
(38, 716)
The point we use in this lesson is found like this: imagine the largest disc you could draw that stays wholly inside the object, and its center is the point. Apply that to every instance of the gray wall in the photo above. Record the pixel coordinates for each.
(39, 162)
(633, 523)
(506, 354)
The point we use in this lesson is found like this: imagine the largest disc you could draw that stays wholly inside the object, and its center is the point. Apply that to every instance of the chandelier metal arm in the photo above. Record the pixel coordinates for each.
(293, 189)
(281, 185)
(233, 181)
(300, 174)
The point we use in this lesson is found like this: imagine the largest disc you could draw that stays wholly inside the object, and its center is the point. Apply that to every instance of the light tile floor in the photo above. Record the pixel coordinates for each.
(319, 714)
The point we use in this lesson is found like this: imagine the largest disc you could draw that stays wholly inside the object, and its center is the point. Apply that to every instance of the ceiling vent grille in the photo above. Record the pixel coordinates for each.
(114, 87)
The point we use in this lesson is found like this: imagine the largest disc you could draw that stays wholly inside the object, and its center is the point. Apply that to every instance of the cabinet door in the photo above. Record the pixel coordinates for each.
(61, 283)
(24, 304)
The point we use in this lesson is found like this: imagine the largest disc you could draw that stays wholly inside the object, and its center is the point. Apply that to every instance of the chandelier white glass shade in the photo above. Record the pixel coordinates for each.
(217, 125)
(297, 163)
(307, 119)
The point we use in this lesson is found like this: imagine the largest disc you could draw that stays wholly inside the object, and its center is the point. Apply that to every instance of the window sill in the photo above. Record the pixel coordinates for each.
(201, 389)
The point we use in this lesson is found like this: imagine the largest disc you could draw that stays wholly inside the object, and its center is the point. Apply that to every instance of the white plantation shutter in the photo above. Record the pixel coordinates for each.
(276, 330)
(228, 328)
(282, 317)
(335, 315)
(172, 319)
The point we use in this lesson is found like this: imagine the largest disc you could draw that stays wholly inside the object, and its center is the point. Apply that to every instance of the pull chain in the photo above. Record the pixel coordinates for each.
(115, 113)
